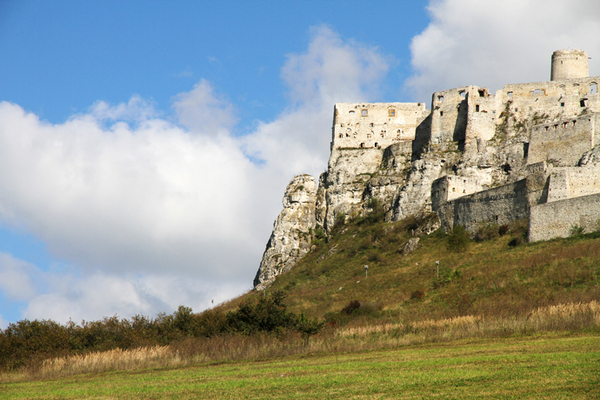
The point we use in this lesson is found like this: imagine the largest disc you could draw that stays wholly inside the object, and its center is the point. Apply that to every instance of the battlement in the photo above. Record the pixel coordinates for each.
(562, 142)
(375, 125)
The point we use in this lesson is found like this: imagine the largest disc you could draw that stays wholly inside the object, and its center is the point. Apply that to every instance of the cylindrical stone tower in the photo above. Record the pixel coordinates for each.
(569, 64)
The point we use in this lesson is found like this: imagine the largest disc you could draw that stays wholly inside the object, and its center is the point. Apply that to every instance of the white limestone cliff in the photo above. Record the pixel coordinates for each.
(292, 231)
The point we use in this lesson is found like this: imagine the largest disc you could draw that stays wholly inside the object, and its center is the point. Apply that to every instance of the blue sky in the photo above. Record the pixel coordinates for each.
(145, 146)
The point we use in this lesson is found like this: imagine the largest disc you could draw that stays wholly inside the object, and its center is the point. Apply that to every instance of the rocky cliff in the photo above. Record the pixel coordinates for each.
(473, 159)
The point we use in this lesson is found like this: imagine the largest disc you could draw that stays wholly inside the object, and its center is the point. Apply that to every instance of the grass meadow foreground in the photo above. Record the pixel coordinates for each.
(550, 366)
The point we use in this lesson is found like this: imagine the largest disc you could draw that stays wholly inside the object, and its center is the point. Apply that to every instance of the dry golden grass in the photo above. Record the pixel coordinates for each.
(557, 318)
(116, 359)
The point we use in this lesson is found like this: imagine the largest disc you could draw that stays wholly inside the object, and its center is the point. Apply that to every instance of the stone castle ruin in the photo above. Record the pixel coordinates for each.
(529, 151)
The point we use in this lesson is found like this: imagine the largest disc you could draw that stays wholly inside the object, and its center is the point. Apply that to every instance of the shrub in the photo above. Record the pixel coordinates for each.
(417, 294)
(351, 307)
(458, 240)
(576, 230)
(488, 232)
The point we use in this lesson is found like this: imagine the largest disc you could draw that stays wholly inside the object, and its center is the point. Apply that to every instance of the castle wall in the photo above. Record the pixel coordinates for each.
(500, 205)
(451, 187)
(367, 125)
(563, 142)
(448, 115)
(567, 183)
(557, 219)
(554, 100)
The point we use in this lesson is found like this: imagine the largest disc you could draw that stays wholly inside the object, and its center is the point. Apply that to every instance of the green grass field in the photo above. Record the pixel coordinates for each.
(542, 367)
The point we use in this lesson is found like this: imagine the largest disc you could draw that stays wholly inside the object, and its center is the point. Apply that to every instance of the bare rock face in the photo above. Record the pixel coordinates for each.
(292, 231)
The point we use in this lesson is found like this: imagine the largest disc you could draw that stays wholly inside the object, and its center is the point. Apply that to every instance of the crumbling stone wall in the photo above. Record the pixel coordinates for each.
(561, 218)
(367, 125)
(563, 142)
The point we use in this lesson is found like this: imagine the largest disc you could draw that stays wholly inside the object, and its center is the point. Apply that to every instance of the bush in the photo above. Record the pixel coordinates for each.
(417, 294)
(351, 307)
(458, 240)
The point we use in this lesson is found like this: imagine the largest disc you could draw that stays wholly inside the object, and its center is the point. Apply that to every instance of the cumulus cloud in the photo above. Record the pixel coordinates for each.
(330, 71)
(16, 278)
(147, 213)
(492, 43)
(203, 111)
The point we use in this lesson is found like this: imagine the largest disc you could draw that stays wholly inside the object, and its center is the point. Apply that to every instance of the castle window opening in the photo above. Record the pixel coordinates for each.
(546, 128)
(582, 102)
(562, 104)
(530, 108)
(376, 144)
(516, 109)
(441, 113)
(362, 145)
(441, 98)
(509, 94)
(574, 122)
(371, 125)
(463, 94)
(364, 113)
(593, 88)
(351, 112)
(392, 112)
(564, 125)
(481, 93)
(477, 108)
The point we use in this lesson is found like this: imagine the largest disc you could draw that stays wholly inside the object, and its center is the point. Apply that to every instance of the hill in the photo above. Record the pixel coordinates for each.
(498, 275)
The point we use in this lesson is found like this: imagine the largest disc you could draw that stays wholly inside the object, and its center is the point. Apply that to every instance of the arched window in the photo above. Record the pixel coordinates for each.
(593, 88)
(351, 112)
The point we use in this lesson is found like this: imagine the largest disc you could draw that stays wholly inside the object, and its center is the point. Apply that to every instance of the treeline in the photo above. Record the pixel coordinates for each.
(27, 343)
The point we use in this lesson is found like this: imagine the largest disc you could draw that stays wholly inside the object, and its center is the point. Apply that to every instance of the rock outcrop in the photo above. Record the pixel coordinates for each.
(292, 231)
(475, 158)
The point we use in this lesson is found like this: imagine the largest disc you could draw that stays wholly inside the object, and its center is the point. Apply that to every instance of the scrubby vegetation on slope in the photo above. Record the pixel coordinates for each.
(494, 286)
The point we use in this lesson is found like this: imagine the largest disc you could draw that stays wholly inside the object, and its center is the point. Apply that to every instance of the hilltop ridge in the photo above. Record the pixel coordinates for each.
(527, 152)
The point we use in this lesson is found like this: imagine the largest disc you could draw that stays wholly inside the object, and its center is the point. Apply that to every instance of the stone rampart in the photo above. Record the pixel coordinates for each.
(367, 125)
(561, 218)
(563, 142)
(568, 183)
(500, 205)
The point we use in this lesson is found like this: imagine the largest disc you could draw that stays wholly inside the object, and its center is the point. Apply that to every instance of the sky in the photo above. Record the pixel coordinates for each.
(145, 146)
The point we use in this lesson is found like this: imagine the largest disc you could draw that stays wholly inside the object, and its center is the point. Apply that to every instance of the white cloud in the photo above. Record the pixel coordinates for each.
(201, 110)
(330, 71)
(492, 43)
(16, 278)
(148, 215)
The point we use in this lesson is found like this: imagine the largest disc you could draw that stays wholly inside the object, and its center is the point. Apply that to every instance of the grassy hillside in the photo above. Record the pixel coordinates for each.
(496, 286)
(498, 276)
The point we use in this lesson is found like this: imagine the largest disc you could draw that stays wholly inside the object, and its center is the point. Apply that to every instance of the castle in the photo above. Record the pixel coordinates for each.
(529, 151)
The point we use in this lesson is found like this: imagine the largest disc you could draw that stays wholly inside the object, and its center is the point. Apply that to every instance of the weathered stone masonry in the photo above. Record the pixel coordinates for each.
(474, 158)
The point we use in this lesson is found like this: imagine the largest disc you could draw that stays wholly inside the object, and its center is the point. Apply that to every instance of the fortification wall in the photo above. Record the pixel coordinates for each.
(566, 183)
(553, 100)
(562, 143)
(500, 205)
(449, 115)
(451, 187)
(557, 219)
(367, 125)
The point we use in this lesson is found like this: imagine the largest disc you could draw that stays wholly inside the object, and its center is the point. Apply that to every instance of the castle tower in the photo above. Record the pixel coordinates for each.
(569, 64)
